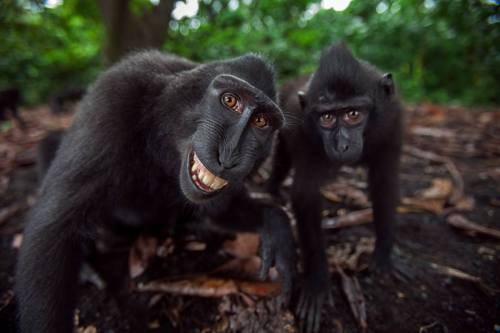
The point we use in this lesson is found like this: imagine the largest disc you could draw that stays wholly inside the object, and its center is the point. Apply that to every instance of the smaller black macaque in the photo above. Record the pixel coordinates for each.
(10, 100)
(349, 114)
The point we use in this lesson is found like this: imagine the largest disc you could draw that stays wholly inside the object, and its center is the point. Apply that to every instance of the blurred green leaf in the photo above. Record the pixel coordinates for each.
(442, 51)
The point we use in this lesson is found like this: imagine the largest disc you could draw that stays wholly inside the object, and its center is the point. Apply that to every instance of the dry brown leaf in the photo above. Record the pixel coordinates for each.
(458, 182)
(141, 254)
(348, 255)
(332, 196)
(87, 329)
(242, 267)
(251, 315)
(338, 192)
(418, 205)
(465, 204)
(430, 114)
(261, 289)
(441, 188)
(196, 246)
(245, 245)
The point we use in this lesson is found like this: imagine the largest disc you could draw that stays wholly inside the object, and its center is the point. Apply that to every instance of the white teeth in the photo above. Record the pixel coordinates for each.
(208, 179)
(218, 183)
(200, 173)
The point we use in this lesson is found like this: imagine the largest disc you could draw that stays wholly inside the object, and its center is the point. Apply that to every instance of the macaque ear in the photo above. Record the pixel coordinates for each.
(302, 98)
(387, 84)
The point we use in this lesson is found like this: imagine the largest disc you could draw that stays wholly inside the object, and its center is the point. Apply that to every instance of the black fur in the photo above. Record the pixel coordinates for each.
(10, 100)
(126, 160)
(341, 84)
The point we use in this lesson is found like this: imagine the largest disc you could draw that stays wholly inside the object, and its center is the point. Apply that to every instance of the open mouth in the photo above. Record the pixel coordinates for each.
(202, 177)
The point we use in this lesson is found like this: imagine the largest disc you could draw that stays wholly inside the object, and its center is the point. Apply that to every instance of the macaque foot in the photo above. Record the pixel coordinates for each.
(394, 266)
(312, 299)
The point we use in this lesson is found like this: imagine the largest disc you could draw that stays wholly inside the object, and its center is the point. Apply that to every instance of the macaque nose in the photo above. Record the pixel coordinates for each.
(343, 148)
(227, 164)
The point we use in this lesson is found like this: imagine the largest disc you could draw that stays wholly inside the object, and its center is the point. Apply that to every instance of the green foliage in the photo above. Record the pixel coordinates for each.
(439, 50)
(442, 51)
(44, 50)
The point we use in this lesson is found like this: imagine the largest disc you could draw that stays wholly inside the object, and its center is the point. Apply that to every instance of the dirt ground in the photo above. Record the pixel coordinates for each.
(196, 280)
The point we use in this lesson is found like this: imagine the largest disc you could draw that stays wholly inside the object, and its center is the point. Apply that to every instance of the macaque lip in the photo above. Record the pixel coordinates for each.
(203, 178)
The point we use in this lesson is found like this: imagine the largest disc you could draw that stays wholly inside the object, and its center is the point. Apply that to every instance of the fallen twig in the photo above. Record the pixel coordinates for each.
(456, 273)
(351, 219)
(459, 221)
(429, 327)
(354, 294)
(206, 286)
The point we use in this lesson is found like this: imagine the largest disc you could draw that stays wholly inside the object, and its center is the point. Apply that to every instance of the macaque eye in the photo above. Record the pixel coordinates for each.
(260, 121)
(231, 101)
(353, 117)
(327, 119)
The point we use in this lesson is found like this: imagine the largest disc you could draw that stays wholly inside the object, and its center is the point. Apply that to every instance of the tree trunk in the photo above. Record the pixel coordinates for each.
(127, 31)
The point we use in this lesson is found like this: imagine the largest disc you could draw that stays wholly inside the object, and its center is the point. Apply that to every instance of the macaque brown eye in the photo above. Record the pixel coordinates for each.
(260, 121)
(327, 119)
(353, 117)
(231, 101)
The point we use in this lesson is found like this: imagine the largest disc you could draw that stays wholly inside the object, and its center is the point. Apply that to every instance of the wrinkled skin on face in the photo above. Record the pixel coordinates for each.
(341, 125)
(233, 132)
(341, 117)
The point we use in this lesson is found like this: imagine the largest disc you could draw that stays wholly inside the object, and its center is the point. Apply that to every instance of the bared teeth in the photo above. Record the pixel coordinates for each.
(199, 173)
(218, 183)
(207, 178)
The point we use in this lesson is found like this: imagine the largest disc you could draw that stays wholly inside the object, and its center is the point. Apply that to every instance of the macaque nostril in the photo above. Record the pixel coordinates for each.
(345, 148)
(227, 163)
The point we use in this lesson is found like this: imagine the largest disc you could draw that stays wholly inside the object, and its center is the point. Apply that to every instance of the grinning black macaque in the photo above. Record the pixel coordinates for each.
(348, 114)
(10, 99)
(157, 137)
